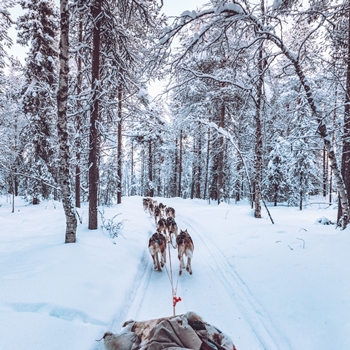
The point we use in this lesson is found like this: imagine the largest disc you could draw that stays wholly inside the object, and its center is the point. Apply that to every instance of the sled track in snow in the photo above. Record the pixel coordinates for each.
(135, 292)
(255, 317)
(139, 285)
(265, 332)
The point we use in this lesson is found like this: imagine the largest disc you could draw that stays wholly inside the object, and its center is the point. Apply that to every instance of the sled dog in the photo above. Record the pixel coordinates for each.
(162, 226)
(185, 247)
(151, 208)
(157, 214)
(170, 212)
(145, 203)
(171, 227)
(156, 246)
(162, 208)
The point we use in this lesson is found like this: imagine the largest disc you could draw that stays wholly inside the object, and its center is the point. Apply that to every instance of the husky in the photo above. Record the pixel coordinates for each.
(170, 212)
(162, 226)
(185, 246)
(145, 203)
(171, 227)
(162, 208)
(156, 246)
(157, 214)
(151, 208)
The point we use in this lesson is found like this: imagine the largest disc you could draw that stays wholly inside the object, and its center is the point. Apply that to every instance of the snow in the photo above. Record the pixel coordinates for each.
(142, 93)
(283, 286)
(192, 14)
(276, 4)
(229, 7)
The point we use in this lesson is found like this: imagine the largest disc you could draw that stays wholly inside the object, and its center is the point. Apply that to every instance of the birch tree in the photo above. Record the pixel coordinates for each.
(62, 127)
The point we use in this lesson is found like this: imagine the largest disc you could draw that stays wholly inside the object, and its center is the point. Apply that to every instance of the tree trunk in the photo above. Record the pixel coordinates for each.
(132, 192)
(78, 122)
(143, 176)
(238, 183)
(220, 178)
(325, 172)
(94, 141)
(258, 136)
(13, 194)
(119, 152)
(194, 167)
(345, 165)
(207, 167)
(176, 169)
(150, 169)
(199, 162)
(301, 192)
(62, 127)
(179, 192)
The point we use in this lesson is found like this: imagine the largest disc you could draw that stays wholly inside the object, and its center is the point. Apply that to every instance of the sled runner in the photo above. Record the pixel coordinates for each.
(182, 332)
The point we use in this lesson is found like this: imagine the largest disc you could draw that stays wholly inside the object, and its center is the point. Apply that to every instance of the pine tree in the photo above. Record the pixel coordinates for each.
(5, 23)
(278, 187)
(38, 28)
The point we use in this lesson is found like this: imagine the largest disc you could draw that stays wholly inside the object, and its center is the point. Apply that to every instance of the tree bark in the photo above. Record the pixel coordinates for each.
(94, 141)
(194, 167)
(238, 182)
(179, 192)
(199, 162)
(143, 172)
(207, 167)
(13, 194)
(325, 172)
(176, 169)
(345, 162)
(150, 170)
(78, 122)
(220, 177)
(119, 151)
(301, 192)
(62, 127)
(258, 133)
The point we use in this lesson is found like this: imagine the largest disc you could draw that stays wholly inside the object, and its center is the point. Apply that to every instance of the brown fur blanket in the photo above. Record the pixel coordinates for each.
(181, 332)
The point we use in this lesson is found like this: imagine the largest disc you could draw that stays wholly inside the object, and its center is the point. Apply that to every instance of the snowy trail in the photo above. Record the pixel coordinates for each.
(214, 283)
(256, 319)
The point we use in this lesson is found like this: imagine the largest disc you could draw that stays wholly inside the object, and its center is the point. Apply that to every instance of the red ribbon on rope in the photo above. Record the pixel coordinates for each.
(176, 300)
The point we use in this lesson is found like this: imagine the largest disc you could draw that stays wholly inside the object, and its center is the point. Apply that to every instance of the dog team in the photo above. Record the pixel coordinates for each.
(164, 218)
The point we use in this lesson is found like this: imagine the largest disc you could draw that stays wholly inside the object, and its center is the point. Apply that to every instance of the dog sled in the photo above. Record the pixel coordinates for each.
(181, 332)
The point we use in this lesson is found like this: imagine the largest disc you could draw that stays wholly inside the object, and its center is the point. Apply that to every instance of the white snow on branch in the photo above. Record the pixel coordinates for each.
(192, 14)
(228, 7)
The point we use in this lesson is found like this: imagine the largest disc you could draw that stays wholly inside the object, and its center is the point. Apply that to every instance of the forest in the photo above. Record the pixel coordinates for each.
(255, 105)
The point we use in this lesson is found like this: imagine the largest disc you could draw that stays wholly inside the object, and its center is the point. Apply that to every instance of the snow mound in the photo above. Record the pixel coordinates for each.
(324, 221)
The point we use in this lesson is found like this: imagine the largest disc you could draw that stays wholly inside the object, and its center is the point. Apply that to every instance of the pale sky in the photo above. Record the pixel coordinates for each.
(176, 7)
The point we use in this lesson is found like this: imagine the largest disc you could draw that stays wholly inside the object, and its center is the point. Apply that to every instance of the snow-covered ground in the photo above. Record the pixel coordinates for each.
(282, 286)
